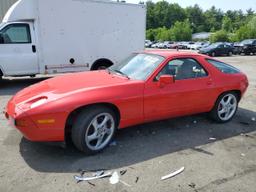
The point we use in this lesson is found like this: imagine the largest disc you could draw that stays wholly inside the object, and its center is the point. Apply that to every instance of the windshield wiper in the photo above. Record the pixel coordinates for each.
(120, 72)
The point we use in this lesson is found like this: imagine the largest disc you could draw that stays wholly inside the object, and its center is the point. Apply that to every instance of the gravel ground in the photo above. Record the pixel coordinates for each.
(147, 152)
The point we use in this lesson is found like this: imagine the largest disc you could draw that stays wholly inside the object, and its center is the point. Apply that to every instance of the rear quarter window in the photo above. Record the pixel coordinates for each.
(223, 67)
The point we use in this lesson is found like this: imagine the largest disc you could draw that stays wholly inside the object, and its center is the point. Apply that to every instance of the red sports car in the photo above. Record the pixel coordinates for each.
(148, 86)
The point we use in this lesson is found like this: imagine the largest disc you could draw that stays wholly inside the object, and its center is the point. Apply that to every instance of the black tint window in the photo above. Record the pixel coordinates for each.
(16, 33)
(183, 69)
(223, 67)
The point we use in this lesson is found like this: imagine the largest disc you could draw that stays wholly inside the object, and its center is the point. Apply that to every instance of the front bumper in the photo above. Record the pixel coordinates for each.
(27, 125)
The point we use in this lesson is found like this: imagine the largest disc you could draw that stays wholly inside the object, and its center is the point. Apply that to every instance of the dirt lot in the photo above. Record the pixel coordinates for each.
(147, 152)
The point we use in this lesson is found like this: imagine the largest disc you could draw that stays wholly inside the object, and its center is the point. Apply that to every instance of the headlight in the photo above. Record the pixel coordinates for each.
(39, 102)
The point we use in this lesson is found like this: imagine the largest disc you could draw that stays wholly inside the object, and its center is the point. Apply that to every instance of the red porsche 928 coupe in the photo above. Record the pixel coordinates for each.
(148, 86)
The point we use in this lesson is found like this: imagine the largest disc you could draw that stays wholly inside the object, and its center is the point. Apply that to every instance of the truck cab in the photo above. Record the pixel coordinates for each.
(63, 36)
(18, 54)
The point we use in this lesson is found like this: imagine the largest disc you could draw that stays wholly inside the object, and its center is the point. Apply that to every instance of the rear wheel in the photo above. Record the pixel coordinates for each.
(101, 64)
(225, 107)
(230, 53)
(94, 129)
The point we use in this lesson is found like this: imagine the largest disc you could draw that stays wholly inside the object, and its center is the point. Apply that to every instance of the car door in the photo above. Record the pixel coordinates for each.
(18, 54)
(190, 93)
(220, 49)
(226, 49)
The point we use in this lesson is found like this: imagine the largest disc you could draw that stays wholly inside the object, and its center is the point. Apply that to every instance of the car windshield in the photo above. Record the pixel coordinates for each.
(214, 45)
(247, 41)
(138, 66)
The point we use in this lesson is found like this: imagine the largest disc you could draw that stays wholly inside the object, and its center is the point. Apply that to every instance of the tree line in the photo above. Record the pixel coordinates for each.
(169, 21)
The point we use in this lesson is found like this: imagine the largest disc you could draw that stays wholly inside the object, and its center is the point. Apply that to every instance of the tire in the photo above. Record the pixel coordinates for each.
(101, 65)
(88, 138)
(230, 53)
(223, 111)
(213, 54)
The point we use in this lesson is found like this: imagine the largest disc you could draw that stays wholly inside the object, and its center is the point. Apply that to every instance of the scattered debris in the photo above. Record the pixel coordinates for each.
(125, 183)
(173, 174)
(246, 135)
(244, 123)
(242, 154)
(137, 179)
(123, 172)
(192, 185)
(92, 184)
(114, 143)
(253, 119)
(114, 179)
(82, 172)
(96, 176)
(212, 138)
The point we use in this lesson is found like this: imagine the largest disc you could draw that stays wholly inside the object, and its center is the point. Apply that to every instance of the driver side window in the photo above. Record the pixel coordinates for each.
(183, 69)
(16, 34)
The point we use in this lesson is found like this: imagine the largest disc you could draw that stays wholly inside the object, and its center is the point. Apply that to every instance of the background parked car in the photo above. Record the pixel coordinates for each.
(148, 43)
(197, 45)
(247, 47)
(217, 49)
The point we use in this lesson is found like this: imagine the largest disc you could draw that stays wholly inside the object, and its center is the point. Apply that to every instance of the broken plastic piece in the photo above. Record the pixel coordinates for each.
(125, 183)
(242, 154)
(212, 138)
(173, 174)
(193, 185)
(123, 172)
(195, 122)
(253, 119)
(81, 178)
(114, 179)
(98, 173)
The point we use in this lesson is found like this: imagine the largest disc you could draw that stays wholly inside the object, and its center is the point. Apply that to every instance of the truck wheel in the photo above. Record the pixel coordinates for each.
(94, 129)
(101, 64)
(225, 107)
(1, 75)
(230, 53)
(213, 54)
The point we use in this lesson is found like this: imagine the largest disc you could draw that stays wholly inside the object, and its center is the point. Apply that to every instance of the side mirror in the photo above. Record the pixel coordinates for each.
(165, 80)
(1, 38)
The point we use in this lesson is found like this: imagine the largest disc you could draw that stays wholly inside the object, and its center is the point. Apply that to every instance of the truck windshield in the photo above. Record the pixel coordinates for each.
(139, 66)
(1, 25)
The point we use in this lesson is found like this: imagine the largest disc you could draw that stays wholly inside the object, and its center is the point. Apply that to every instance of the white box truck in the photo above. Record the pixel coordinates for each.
(59, 36)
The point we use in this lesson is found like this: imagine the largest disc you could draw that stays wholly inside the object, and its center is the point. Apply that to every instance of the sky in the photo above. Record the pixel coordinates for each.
(206, 4)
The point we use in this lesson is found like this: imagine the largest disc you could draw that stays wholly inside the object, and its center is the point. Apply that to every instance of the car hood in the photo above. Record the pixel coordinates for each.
(67, 84)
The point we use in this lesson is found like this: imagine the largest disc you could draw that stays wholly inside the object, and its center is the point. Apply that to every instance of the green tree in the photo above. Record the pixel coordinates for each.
(181, 31)
(196, 18)
(213, 19)
(227, 24)
(219, 36)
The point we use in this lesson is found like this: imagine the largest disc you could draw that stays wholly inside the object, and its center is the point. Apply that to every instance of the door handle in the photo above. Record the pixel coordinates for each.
(33, 48)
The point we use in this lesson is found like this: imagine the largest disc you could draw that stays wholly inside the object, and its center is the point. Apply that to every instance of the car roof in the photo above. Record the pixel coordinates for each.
(168, 54)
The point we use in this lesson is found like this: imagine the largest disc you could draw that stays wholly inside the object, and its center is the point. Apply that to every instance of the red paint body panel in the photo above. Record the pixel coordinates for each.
(137, 101)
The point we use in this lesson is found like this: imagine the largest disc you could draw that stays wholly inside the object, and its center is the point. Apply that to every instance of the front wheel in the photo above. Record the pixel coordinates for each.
(94, 129)
(225, 108)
